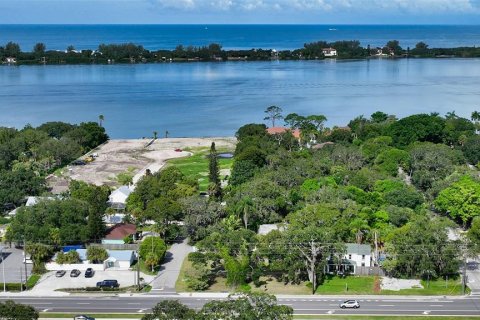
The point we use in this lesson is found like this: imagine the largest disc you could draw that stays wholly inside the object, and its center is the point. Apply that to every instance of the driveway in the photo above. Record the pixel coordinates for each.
(49, 282)
(473, 276)
(14, 266)
(168, 274)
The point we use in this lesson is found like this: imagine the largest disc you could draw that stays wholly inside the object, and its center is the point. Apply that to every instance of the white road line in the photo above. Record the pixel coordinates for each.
(133, 303)
(436, 305)
(83, 302)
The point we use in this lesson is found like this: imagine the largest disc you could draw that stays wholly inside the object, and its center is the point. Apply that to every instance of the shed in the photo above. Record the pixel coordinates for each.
(119, 259)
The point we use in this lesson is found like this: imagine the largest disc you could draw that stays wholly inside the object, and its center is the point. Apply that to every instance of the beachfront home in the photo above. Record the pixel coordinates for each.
(329, 52)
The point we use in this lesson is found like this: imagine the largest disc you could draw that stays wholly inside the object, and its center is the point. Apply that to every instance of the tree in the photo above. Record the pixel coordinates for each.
(274, 113)
(394, 47)
(390, 160)
(476, 120)
(101, 118)
(170, 309)
(421, 249)
(12, 49)
(155, 134)
(214, 173)
(10, 310)
(418, 127)
(96, 254)
(39, 254)
(70, 48)
(379, 117)
(471, 150)
(245, 307)
(152, 250)
(70, 257)
(461, 200)
(39, 49)
(473, 235)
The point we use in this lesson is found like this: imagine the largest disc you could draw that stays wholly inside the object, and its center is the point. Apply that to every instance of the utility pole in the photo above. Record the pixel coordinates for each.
(3, 267)
(138, 271)
(25, 262)
(464, 280)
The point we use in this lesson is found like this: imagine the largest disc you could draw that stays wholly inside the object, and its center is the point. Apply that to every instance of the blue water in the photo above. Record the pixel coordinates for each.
(58, 37)
(212, 99)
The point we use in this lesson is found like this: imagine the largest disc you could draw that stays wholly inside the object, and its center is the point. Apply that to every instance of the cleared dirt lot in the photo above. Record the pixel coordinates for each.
(49, 283)
(136, 155)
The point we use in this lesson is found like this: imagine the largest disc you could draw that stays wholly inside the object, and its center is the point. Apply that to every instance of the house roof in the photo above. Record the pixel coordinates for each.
(120, 231)
(123, 190)
(114, 218)
(277, 130)
(31, 201)
(321, 145)
(124, 255)
(267, 228)
(360, 249)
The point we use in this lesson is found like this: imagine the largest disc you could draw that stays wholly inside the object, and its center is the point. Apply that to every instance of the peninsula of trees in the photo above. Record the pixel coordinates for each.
(11, 53)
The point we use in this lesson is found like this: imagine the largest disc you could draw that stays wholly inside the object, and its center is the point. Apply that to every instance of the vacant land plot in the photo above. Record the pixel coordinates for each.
(136, 156)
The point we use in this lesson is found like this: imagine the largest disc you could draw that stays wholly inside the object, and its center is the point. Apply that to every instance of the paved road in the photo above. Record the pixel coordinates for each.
(170, 270)
(13, 264)
(463, 306)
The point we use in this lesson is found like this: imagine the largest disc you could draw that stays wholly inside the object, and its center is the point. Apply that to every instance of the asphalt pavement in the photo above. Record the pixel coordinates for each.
(369, 305)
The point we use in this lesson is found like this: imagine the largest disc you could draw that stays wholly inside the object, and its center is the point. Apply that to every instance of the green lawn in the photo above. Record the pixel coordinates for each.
(32, 281)
(196, 166)
(346, 285)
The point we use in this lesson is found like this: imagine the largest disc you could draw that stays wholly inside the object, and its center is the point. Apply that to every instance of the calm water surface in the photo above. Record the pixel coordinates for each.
(208, 99)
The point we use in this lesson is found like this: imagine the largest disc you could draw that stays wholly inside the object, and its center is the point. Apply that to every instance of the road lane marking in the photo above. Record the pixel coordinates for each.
(83, 302)
(436, 305)
(134, 303)
(45, 310)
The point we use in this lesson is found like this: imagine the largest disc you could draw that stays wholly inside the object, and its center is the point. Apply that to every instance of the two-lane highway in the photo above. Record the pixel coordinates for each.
(457, 306)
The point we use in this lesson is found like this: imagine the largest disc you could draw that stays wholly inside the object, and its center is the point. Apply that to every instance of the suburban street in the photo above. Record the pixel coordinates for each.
(370, 305)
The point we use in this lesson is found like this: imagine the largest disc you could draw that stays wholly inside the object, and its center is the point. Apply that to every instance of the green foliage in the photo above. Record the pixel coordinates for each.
(374, 146)
(419, 127)
(152, 250)
(242, 171)
(215, 188)
(56, 221)
(421, 249)
(18, 184)
(96, 254)
(70, 257)
(471, 150)
(390, 160)
(16, 311)
(473, 236)
(461, 200)
(39, 253)
(170, 309)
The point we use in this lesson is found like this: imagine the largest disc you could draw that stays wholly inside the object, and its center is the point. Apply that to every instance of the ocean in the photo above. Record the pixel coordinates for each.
(59, 37)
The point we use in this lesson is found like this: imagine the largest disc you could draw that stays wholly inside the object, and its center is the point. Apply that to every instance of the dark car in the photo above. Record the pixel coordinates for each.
(60, 273)
(108, 284)
(79, 163)
(89, 273)
(75, 273)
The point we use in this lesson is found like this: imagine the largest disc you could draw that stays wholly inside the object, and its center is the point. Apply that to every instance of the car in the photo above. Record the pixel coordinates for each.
(75, 273)
(178, 150)
(79, 163)
(350, 304)
(89, 273)
(108, 284)
(60, 273)
(83, 317)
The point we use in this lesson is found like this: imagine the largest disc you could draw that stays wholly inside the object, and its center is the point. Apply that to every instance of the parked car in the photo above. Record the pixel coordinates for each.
(89, 273)
(178, 150)
(75, 273)
(350, 304)
(79, 163)
(108, 284)
(60, 273)
(83, 317)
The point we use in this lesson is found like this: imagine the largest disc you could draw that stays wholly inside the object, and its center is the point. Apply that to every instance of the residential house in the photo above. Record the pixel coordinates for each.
(278, 130)
(113, 219)
(265, 229)
(10, 60)
(31, 201)
(117, 259)
(118, 232)
(356, 259)
(118, 198)
(329, 52)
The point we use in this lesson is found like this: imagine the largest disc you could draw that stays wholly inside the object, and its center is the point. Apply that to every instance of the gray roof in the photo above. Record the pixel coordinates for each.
(123, 189)
(124, 255)
(360, 249)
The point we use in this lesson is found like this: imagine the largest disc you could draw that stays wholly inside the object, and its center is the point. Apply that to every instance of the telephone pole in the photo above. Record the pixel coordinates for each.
(25, 262)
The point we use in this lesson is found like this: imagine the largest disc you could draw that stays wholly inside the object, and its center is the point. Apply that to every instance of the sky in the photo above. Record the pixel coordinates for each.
(239, 11)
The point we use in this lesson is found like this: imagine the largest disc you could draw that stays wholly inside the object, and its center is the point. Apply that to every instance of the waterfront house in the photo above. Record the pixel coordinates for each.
(10, 60)
(329, 52)
(279, 130)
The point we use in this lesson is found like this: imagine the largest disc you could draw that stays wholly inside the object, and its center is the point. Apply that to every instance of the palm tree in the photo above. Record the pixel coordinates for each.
(101, 118)
(476, 119)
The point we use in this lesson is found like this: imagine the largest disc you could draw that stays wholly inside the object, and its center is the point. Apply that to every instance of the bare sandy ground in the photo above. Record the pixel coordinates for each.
(136, 155)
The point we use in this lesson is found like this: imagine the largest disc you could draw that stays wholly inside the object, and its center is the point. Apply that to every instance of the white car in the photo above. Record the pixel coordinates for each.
(350, 304)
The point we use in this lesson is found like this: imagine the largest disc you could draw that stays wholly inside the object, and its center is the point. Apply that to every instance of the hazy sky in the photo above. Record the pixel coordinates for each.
(240, 11)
